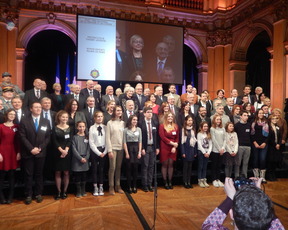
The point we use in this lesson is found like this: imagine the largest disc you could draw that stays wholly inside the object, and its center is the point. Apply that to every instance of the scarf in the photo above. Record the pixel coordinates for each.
(193, 139)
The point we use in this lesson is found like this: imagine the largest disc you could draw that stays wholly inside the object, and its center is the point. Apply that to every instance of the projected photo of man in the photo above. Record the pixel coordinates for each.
(121, 60)
(170, 41)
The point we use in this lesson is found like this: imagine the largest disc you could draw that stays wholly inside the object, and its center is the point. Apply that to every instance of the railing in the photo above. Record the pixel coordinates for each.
(188, 4)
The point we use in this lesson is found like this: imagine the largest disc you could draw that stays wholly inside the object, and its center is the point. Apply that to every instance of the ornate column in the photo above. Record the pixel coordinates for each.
(20, 56)
(278, 65)
(219, 51)
(202, 76)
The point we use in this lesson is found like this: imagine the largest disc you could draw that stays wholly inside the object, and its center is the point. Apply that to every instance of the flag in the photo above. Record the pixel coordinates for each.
(67, 78)
(57, 75)
(74, 70)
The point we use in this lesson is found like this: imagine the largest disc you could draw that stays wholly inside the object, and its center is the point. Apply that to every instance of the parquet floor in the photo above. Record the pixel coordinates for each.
(179, 208)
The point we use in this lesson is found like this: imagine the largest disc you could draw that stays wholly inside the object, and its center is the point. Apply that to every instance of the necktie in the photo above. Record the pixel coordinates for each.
(46, 115)
(160, 67)
(139, 98)
(37, 94)
(36, 124)
(76, 97)
(149, 130)
(91, 93)
(119, 59)
(172, 109)
(111, 97)
(91, 113)
(99, 128)
(130, 113)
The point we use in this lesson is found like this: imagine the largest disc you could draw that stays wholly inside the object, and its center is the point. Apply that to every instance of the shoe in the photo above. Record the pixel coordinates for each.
(166, 186)
(220, 184)
(256, 173)
(129, 190)
(78, 190)
(96, 191)
(9, 201)
(170, 184)
(39, 198)
(185, 185)
(200, 183)
(83, 188)
(2, 199)
(111, 190)
(145, 189)
(205, 183)
(101, 191)
(134, 190)
(64, 195)
(28, 200)
(189, 185)
(215, 183)
(262, 175)
(119, 190)
(150, 188)
(58, 196)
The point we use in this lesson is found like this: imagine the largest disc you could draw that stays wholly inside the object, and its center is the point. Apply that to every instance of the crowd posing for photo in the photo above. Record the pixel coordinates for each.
(84, 130)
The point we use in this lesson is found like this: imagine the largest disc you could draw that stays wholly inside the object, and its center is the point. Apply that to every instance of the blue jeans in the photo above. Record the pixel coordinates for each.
(202, 165)
(259, 157)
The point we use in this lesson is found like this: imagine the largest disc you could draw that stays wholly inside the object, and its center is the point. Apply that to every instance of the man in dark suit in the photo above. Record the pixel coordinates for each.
(158, 91)
(76, 95)
(108, 97)
(35, 135)
(160, 62)
(236, 99)
(246, 91)
(121, 61)
(34, 95)
(205, 103)
(20, 112)
(150, 148)
(140, 98)
(229, 106)
(47, 113)
(193, 107)
(89, 111)
(90, 91)
(173, 108)
(129, 110)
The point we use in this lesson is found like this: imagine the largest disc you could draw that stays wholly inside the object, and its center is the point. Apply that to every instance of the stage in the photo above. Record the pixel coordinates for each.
(179, 208)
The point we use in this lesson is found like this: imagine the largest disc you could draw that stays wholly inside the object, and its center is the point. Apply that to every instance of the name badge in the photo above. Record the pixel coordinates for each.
(15, 130)
(136, 133)
(153, 127)
(85, 141)
(67, 136)
(43, 128)
(173, 133)
(247, 130)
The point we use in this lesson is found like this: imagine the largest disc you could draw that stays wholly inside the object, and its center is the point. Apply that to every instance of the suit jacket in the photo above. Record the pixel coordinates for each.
(159, 101)
(81, 101)
(125, 116)
(143, 100)
(89, 121)
(155, 135)
(31, 138)
(122, 68)
(24, 113)
(84, 92)
(251, 99)
(52, 114)
(196, 107)
(153, 75)
(208, 107)
(104, 101)
(30, 97)
(199, 121)
(227, 110)
(238, 100)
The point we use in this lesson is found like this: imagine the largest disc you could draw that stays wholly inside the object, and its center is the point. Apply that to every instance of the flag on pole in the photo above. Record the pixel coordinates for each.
(57, 75)
(67, 78)
(74, 70)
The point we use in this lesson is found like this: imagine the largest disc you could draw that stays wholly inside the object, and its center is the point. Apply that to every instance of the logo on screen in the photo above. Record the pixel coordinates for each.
(94, 73)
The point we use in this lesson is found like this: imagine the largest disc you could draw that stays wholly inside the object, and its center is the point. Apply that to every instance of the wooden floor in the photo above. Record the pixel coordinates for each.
(179, 208)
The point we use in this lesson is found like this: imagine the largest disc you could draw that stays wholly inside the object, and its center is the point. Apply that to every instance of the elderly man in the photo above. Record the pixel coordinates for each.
(90, 91)
(108, 97)
(220, 111)
(236, 99)
(34, 95)
(229, 106)
(140, 98)
(89, 111)
(98, 87)
(158, 91)
(6, 81)
(193, 107)
(6, 98)
(76, 95)
(129, 110)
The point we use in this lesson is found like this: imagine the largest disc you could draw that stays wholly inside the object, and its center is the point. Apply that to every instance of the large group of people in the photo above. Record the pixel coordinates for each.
(80, 131)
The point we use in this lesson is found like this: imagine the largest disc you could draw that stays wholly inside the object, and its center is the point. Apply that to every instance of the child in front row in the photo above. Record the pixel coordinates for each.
(80, 157)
